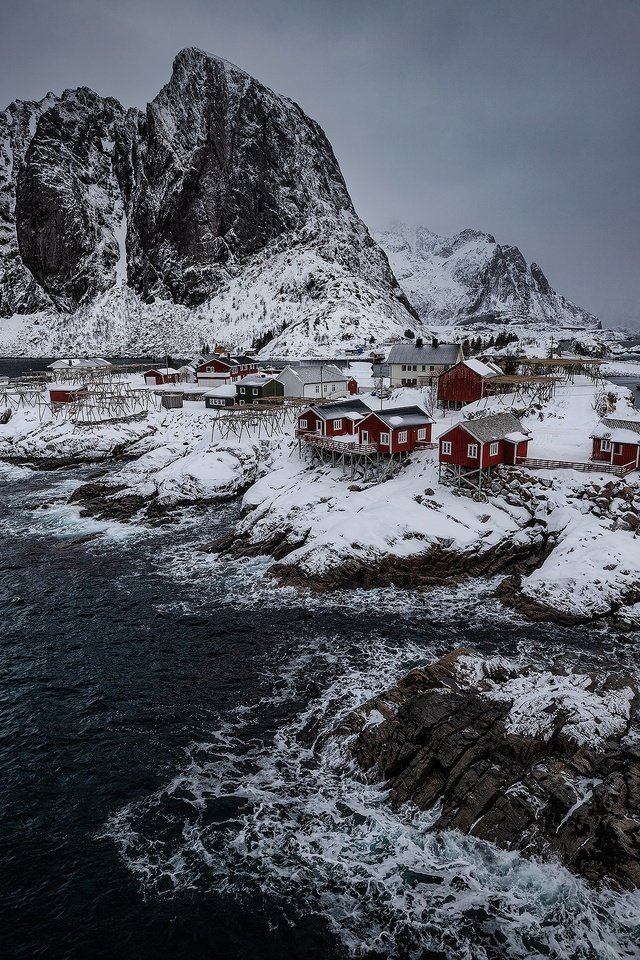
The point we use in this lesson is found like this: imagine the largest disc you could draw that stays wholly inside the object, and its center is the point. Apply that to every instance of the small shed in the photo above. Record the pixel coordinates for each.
(67, 393)
(617, 441)
(352, 386)
(465, 382)
(222, 396)
(158, 375)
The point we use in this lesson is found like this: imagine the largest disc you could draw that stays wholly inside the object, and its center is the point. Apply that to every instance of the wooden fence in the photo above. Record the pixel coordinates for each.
(618, 470)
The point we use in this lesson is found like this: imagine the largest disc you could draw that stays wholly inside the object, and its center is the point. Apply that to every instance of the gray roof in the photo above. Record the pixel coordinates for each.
(616, 424)
(403, 416)
(341, 409)
(256, 379)
(409, 353)
(494, 427)
(327, 373)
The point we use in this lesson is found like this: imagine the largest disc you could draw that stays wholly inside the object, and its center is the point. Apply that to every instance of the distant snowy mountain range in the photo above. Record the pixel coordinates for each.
(218, 213)
(469, 278)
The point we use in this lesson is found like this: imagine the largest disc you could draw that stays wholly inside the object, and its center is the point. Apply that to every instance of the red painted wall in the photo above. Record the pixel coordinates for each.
(218, 366)
(352, 386)
(161, 377)
(460, 440)
(374, 427)
(67, 395)
(628, 454)
(459, 384)
(313, 421)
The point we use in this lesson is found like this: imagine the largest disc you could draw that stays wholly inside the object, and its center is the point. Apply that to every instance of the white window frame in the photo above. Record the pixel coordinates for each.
(302, 424)
(493, 449)
(422, 433)
(242, 390)
(446, 448)
(605, 445)
(337, 424)
(385, 439)
(472, 451)
(402, 436)
(317, 388)
(254, 391)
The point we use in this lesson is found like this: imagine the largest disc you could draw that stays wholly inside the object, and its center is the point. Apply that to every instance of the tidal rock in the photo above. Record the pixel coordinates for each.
(543, 762)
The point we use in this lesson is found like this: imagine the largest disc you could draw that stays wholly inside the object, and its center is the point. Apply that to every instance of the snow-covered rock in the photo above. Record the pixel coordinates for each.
(469, 279)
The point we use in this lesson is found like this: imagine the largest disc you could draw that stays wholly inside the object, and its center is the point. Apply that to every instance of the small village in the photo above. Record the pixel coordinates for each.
(364, 418)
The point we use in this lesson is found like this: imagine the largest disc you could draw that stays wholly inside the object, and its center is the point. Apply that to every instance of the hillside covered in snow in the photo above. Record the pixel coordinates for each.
(219, 212)
(470, 279)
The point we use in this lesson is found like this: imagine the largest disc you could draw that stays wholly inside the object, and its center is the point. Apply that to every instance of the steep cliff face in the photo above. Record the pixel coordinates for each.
(470, 278)
(221, 197)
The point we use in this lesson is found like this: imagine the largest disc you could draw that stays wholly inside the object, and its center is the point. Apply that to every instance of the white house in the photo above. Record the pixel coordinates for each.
(322, 382)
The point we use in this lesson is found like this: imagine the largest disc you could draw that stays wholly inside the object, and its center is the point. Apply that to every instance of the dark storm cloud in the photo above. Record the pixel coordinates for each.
(519, 118)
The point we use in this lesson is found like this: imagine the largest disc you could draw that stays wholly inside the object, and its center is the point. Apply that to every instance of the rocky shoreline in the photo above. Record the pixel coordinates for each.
(546, 763)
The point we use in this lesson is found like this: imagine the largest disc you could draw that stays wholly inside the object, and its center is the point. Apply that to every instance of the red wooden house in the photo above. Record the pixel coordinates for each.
(160, 375)
(332, 419)
(475, 446)
(396, 430)
(221, 369)
(617, 441)
(465, 382)
(67, 393)
(352, 386)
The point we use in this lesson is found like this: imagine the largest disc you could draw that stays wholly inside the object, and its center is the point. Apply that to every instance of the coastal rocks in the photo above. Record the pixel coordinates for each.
(543, 762)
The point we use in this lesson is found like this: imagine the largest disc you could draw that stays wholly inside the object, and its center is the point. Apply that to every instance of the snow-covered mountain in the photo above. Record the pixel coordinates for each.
(220, 212)
(469, 278)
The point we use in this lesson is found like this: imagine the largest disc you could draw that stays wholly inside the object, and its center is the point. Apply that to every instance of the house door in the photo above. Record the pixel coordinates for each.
(364, 436)
(319, 429)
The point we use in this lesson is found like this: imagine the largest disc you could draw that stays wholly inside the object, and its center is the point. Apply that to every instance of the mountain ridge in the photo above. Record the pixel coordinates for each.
(470, 278)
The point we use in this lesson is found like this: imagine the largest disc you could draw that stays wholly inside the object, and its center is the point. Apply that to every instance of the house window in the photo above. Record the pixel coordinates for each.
(493, 450)
(472, 450)
(255, 391)
(424, 368)
(337, 424)
(446, 447)
(404, 366)
(617, 448)
(384, 439)
(431, 368)
(402, 436)
(242, 390)
(317, 388)
(422, 433)
(605, 446)
(302, 424)
(415, 367)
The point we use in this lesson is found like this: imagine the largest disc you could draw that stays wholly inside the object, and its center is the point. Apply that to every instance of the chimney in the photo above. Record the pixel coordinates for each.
(419, 342)
(435, 343)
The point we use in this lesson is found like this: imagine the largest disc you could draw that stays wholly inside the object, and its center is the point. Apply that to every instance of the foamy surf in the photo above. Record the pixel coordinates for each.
(275, 814)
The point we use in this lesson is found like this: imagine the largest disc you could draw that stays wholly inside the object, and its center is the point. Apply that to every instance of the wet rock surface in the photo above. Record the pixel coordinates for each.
(543, 762)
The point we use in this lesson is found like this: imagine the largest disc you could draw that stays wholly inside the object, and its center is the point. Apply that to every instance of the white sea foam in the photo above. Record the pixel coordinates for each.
(276, 814)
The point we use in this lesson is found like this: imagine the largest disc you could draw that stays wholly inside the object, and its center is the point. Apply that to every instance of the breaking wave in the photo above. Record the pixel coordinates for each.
(274, 814)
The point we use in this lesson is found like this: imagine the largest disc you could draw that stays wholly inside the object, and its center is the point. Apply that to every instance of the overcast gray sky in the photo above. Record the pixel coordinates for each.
(518, 117)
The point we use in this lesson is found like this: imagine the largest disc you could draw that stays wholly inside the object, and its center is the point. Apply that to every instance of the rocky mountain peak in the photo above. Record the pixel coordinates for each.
(470, 278)
(221, 197)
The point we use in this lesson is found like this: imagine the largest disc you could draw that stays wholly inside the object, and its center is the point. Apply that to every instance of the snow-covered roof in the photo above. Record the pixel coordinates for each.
(345, 408)
(65, 364)
(69, 387)
(225, 390)
(410, 353)
(517, 437)
(165, 371)
(256, 379)
(483, 369)
(327, 373)
(618, 431)
(498, 426)
(396, 417)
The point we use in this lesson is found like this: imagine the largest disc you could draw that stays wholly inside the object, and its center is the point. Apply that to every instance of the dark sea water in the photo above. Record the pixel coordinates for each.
(168, 785)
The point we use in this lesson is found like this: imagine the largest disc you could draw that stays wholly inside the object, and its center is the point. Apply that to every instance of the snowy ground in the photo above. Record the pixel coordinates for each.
(179, 457)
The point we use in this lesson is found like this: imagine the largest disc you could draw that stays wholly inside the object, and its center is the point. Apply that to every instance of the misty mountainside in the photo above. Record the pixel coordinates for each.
(219, 212)
(469, 278)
